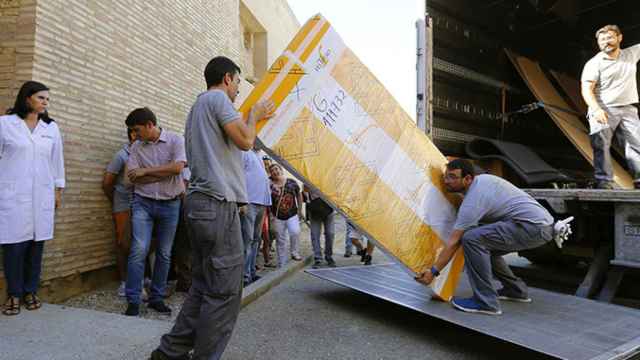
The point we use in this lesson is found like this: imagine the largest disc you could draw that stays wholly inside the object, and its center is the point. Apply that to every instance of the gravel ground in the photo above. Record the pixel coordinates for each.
(106, 299)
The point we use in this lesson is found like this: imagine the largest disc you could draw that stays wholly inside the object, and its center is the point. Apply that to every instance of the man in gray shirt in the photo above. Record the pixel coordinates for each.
(609, 88)
(215, 136)
(495, 218)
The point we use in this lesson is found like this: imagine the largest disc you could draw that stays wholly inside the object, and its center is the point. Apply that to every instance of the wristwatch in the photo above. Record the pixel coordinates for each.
(434, 271)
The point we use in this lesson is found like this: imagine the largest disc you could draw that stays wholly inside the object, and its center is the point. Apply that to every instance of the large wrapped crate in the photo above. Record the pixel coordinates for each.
(340, 131)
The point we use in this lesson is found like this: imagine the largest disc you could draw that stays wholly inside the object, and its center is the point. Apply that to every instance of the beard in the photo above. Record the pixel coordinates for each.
(609, 48)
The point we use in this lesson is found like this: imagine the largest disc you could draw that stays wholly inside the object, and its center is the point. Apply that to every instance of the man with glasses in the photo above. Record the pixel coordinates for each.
(495, 218)
(610, 89)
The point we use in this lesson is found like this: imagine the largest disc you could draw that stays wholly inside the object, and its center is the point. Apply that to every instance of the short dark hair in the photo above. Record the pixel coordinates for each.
(217, 68)
(141, 116)
(21, 108)
(465, 166)
(130, 133)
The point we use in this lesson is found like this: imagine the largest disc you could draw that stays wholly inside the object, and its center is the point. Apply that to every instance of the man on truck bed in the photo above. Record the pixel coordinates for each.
(609, 88)
(495, 218)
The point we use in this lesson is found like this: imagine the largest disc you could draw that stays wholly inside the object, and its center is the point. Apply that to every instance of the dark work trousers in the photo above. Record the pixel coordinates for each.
(484, 247)
(182, 253)
(317, 223)
(22, 266)
(211, 308)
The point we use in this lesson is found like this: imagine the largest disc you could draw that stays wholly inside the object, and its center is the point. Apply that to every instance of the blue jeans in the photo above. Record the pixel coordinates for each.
(348, 245)
(251, 222)
(160, 218)
(22, 266)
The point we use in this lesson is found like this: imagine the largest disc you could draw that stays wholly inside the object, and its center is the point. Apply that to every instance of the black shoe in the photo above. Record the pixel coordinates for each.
(362, 253)
(604, 185)
(256, 278)
(348, 254)
(246, 283)
(160, 307)
(132, 310)
(316, 264)
(182, 286)
(367, 259)
(159, 355)
(331, 262)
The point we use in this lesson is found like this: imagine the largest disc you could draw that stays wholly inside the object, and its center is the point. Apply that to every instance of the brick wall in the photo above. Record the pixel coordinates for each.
(17, 29)
(101, 59)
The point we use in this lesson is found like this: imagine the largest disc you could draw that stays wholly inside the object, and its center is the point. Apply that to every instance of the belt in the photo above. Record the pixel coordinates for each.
(177, 197)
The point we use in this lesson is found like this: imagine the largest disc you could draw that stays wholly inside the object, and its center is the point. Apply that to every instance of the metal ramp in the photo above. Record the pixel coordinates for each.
(558, 325)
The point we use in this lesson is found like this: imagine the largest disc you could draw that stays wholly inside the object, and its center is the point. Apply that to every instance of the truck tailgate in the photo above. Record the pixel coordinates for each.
(554, 324)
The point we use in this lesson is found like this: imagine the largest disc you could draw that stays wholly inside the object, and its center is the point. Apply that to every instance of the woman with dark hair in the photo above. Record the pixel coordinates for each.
(286, 212)
(31, 184)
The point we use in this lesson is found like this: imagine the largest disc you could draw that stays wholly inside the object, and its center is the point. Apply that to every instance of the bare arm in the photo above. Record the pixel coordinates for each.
(443, 258)
(243, 132)
(589, 96)
(108, 181)
(58, 197)
(156, 173)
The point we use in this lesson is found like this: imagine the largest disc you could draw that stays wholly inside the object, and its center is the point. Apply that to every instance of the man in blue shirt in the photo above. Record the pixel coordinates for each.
(252, 214)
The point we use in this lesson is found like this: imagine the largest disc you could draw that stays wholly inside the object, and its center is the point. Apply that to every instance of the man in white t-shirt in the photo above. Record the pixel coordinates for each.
(609, 88)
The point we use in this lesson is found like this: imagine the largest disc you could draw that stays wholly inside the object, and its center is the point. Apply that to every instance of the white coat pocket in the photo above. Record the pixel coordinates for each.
(7, 194)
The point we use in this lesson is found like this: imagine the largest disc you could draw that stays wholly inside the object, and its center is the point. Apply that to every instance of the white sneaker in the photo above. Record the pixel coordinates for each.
(561, 231)
(121, 288)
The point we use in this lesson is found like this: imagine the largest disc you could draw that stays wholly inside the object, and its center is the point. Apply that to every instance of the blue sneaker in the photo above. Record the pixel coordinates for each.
(470, 305)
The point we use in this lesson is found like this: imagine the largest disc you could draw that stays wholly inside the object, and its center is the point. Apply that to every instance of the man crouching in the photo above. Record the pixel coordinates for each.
(495, 218)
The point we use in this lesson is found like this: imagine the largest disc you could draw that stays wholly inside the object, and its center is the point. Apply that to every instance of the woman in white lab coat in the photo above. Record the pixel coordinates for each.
(31, 183)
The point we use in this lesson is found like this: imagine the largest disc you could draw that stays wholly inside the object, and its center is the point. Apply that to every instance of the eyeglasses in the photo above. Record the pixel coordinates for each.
(452, 176)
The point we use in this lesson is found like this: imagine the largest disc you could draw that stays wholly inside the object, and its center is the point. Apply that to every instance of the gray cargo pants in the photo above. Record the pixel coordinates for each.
(209, 313)
(329, 235)
(625, 125)
(484, 247)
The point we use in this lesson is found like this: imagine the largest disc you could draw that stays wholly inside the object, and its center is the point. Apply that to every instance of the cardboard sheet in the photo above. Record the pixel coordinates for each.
(570, 124)
(339, 129)
(571, 87)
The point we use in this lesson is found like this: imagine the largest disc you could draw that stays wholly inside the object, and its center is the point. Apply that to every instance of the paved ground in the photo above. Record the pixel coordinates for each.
(308, 318)
(60, 333)
(302, 318)
(105, 298)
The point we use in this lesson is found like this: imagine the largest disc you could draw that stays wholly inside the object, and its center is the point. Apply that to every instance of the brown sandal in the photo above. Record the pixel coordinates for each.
(32, 302)
(11, 306)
